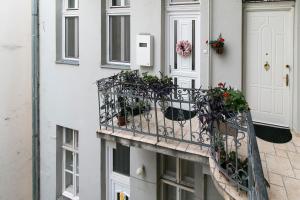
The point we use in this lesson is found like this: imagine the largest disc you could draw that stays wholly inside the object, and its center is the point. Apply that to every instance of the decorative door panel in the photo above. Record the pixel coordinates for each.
(268, 44)
(185, 70)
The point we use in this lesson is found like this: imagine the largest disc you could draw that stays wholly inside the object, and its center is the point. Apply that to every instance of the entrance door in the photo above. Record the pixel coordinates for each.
(268, 64)
(185, 70)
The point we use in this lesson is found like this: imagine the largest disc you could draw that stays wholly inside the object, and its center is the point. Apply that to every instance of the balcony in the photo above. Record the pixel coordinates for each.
(159, 116)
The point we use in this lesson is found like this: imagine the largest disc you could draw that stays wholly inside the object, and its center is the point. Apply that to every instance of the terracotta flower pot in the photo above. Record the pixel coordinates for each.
(121, 120)
(220, 50)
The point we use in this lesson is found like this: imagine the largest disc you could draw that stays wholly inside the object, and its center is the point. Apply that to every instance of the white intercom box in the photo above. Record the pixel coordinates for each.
(144, 50)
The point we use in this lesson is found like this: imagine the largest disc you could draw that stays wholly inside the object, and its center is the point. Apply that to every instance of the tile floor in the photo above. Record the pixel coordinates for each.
(281, 165)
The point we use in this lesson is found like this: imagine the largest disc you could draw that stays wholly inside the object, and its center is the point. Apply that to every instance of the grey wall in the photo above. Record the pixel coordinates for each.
(227, 20)
(15, 100)
(146, 18)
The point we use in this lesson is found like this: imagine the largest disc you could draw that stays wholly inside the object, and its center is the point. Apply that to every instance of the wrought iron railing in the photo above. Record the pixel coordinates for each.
(176, 114)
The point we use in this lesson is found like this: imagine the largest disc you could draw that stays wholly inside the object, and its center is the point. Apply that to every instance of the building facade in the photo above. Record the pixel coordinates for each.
(84, 41)
(16, 101)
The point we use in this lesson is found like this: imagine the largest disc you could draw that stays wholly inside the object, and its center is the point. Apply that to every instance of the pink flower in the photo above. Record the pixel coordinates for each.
(184, 48)
(221, 85)
(221, 40)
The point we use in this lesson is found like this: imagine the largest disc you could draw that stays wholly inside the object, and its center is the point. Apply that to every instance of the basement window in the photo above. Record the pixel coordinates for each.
(70, 164)
(177, 178)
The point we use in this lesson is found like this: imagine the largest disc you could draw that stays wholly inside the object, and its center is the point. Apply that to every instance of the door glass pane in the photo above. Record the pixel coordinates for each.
(71, 37)
(169, 192)
(185, 195)
(175, 43)
(170, 166)
(193, 45)
(121, 160)
(187, 172)
(69, 160)
(69, 137)
(69, 182)
(119, 44)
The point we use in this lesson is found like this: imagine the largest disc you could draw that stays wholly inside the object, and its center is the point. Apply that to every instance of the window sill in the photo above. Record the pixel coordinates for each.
(110, 66)
(68, 62)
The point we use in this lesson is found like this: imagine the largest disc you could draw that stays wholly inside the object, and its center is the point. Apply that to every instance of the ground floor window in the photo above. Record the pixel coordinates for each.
(70, 164)
(177, 178)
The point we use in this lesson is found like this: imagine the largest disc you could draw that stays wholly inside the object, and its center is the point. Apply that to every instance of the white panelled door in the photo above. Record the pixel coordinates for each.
(268, 65)
(184, 70)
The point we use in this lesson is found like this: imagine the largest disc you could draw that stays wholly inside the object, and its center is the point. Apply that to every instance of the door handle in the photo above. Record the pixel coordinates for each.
(287, 80)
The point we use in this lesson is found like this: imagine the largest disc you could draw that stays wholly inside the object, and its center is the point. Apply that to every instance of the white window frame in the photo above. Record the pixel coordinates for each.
(115, 11)
(175, 182)
(69, 12)
(123, 4)
(183, 3)
(74, 173)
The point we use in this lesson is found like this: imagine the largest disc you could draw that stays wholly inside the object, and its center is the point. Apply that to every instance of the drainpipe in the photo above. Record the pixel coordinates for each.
(35, 102)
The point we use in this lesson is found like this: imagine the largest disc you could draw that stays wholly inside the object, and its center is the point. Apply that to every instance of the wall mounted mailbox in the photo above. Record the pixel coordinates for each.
(144, 50)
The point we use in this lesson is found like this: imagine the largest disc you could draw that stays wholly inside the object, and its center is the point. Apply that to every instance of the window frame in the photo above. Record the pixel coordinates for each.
(184, 3)
(174, 181)
(116, 11)
(75, 155)
(123, 4)
(69, 12)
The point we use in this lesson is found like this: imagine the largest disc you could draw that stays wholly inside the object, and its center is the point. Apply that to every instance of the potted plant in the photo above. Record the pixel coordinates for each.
(161, 86)
(217, 45)
(226, 102)
(122, 114)
(230, 163)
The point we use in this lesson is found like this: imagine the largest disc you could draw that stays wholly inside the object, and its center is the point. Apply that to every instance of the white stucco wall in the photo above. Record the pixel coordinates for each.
(15, 100)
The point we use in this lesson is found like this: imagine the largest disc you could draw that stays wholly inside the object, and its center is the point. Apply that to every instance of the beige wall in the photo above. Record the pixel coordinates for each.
(15, 100)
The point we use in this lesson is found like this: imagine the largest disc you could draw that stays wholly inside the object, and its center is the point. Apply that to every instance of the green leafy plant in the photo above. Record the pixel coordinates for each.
(227, 100)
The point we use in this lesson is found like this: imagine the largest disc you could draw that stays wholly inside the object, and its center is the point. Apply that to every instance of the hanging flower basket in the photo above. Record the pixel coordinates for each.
(184, 48)
(217, 45)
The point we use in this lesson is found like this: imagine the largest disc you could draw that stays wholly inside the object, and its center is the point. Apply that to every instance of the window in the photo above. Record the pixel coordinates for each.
(70, 29)
(70, 164)
(177, 178)
(118, 32)
(120, 3)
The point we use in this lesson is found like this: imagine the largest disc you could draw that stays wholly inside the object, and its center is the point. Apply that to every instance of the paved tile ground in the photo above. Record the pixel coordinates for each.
(281, 165)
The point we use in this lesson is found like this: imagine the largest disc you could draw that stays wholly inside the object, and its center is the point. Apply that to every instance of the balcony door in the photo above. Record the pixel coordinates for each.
(268, 60)
(185, 70)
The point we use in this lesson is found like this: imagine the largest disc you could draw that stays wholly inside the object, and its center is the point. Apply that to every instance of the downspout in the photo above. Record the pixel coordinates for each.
(35, 102)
